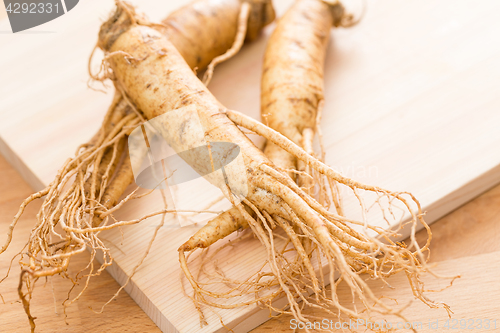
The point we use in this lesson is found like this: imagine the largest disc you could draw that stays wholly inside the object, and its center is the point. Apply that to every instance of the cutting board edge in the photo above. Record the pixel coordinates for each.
(250, 321)
(26, 173)
(438, 209)
(461, 196)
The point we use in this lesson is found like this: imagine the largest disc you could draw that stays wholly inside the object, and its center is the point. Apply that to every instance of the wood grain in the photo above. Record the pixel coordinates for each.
(470, 234)
(472, 297)
(122, 315)
(3, 13)
(465, 243)
(411, 95)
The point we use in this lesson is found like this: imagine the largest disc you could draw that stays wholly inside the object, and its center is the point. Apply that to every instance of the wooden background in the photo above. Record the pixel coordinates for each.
(465, 242)
(469, 231)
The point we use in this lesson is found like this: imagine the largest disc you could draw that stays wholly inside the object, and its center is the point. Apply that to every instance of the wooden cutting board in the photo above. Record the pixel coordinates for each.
(471, 298)
(412, 104)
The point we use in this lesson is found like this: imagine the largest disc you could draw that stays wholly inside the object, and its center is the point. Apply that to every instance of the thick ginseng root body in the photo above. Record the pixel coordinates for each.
(206, 30)
(292, 78)
(291, 94)
(203, 31)
(158, 81)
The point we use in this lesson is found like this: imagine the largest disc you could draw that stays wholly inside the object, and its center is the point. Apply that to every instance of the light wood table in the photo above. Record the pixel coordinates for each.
(462, 238)
(471, 230)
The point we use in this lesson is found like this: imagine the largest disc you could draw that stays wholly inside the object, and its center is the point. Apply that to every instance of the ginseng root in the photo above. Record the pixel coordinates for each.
(291, 95)
(195, 30)
(88, 187)
(188, 115)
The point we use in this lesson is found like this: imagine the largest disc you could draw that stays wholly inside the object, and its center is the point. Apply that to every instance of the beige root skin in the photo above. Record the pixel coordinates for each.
(283, 273)
(101, 168)
(238, 43)
(331, 234)
(182, 27)
(215, 22)
(185, 28)
(292, 79)
(218, 228)
(292, 90)
(292, 85)
(239, 20)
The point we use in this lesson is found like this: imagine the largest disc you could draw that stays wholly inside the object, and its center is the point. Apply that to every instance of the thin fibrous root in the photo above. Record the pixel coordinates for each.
(333, 236)
(348, 244)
